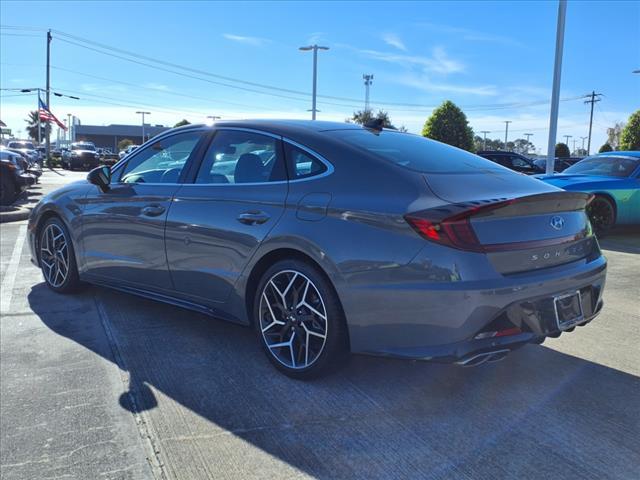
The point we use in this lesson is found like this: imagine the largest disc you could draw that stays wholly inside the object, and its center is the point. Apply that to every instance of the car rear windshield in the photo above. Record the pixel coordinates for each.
(608, 166)
(83, 146)
(27, 145)
(415, 152)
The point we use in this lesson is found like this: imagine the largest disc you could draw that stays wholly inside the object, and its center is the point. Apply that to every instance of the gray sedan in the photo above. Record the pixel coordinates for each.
(329, 238)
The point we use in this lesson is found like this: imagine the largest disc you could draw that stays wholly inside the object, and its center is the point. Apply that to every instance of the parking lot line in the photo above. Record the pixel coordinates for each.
(12, 270)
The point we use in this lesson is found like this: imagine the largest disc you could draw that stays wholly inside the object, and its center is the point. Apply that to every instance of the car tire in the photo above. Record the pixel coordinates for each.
(56, 257)
(602, 215)
(8, 191)
(295, 304)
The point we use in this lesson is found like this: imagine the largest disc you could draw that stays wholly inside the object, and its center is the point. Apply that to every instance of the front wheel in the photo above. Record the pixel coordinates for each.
(601, 214)
(57, 257)
(299, 320)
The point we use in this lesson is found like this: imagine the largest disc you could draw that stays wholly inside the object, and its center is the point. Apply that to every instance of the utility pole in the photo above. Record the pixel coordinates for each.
(583, 139)
(555, 92)
(595, 97)
(315, 49)
(484, 140)
(506, 132)
(48, 124)
(143, 114)
(368, 80)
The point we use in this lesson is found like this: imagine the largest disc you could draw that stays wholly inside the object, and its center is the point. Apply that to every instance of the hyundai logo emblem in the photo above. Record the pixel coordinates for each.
(557, 222)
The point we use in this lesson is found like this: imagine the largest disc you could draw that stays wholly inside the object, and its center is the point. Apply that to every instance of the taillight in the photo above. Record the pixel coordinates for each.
(455, 230)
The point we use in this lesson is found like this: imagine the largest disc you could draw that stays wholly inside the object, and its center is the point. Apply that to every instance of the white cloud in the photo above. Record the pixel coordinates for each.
(254, 41)
(316, 37)
(438, 62)
(393, 40)
(470, 35)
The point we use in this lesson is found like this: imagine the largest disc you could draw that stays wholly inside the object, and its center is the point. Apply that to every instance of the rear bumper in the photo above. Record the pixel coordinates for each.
(440, 321)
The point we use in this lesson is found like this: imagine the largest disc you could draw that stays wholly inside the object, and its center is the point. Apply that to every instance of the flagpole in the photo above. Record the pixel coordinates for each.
(38, 113)
(48, 125)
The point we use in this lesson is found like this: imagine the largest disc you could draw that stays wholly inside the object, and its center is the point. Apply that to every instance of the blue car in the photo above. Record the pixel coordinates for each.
(614, 179)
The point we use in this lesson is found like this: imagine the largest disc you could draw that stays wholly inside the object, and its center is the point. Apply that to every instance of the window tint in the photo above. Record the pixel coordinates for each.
(520, 163)
(162, 161)
(610, 166)
(235, 156)
(302, 164)
(415, 152)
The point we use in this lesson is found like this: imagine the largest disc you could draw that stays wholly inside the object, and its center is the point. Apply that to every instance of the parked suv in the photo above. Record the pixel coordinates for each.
(513, 161)
(81, 155)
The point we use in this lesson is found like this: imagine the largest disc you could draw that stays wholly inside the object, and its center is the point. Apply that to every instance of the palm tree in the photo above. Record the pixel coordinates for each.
(32, 126)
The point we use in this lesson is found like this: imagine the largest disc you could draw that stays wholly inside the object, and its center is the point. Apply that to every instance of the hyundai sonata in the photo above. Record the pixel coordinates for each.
(329, 238)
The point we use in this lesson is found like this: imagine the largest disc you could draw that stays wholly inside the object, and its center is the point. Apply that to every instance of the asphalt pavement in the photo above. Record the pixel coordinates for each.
(106, 385)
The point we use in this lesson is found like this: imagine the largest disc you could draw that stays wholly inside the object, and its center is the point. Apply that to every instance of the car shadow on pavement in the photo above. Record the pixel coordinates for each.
(538, 412)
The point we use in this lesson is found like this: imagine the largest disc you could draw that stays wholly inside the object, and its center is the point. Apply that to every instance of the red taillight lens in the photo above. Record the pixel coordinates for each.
(454, 232)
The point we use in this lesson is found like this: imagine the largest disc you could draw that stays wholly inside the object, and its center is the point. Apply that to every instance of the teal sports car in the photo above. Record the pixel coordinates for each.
(614, 180)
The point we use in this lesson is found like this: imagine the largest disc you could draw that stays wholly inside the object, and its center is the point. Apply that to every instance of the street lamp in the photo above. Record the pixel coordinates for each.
(315, 49)
(143, 114)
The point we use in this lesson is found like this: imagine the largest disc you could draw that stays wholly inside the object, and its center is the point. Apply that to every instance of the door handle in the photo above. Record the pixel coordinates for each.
(253, 218)
(153, 210)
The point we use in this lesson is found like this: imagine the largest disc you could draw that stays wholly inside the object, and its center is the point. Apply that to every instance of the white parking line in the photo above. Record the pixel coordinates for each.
(12, 270)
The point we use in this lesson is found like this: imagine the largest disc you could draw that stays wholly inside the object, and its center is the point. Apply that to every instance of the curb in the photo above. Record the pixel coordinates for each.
(13, 214)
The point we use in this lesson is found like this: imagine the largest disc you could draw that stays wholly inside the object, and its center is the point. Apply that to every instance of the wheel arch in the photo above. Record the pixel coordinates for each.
(271, 257)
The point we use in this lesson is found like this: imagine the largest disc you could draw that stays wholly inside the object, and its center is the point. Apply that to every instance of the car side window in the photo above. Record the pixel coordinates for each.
(237, 156)
(520, 163)
(302, 164)
(162, 161)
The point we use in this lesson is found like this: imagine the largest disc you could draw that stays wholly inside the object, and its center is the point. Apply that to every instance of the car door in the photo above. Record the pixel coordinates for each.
(217, 222)
(123, 228)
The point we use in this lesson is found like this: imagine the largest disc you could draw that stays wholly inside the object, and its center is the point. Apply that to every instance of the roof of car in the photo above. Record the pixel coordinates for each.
(625, 153)
(281, 127)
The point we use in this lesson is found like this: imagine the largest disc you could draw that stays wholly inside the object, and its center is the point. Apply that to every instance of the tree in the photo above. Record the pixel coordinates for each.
(182, 123)
(124, 143)
(630, 138)
(562, 150)
(613, 135)
(448, 124)
(491, 144)
(605, 148)
(364, 116)
(32, 127)
(523, 146)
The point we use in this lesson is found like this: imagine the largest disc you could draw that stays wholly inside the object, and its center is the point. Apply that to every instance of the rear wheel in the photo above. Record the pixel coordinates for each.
(299, 321)
(57, 257)
(601, 214)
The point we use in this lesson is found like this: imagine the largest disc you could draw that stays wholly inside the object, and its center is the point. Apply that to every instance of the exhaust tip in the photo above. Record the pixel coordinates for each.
(479, 359)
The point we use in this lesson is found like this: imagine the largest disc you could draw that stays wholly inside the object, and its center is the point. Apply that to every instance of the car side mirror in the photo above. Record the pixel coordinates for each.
(100, 176)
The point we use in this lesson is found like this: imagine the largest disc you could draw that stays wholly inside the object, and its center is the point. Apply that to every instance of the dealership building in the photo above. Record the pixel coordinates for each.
(108, 136)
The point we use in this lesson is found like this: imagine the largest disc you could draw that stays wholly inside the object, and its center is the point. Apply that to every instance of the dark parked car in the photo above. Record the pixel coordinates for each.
(82, 155)
(329, 238)
(13, 178)
(107, 157)
(512, 160)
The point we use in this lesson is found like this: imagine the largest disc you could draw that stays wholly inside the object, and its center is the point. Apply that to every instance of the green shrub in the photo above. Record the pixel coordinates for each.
(562, 150)
(630, 138)
(448, 124)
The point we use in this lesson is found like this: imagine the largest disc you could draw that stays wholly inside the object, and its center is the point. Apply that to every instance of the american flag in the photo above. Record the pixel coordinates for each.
(46, 115)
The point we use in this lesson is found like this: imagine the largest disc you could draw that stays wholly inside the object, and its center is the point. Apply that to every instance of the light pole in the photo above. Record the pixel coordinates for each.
(566, 139)
(583, 139)
(368, 80)
(506, 132)
(484, 140)
(528, 135)
(143, 114)
(555, 92)
(69, 130)
(315, 49)
(213, 117)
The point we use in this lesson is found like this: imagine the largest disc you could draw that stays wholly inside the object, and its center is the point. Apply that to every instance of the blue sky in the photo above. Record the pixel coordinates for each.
(494, 59)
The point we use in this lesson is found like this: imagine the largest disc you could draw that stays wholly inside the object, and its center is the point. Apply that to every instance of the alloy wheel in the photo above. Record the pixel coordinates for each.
(54, 255)
(293, 319)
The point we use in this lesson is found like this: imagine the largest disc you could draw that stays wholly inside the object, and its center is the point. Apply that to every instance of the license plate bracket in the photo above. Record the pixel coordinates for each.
(568, 309)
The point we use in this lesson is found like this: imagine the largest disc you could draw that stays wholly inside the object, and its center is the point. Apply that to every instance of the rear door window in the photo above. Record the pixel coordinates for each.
(302, 164)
